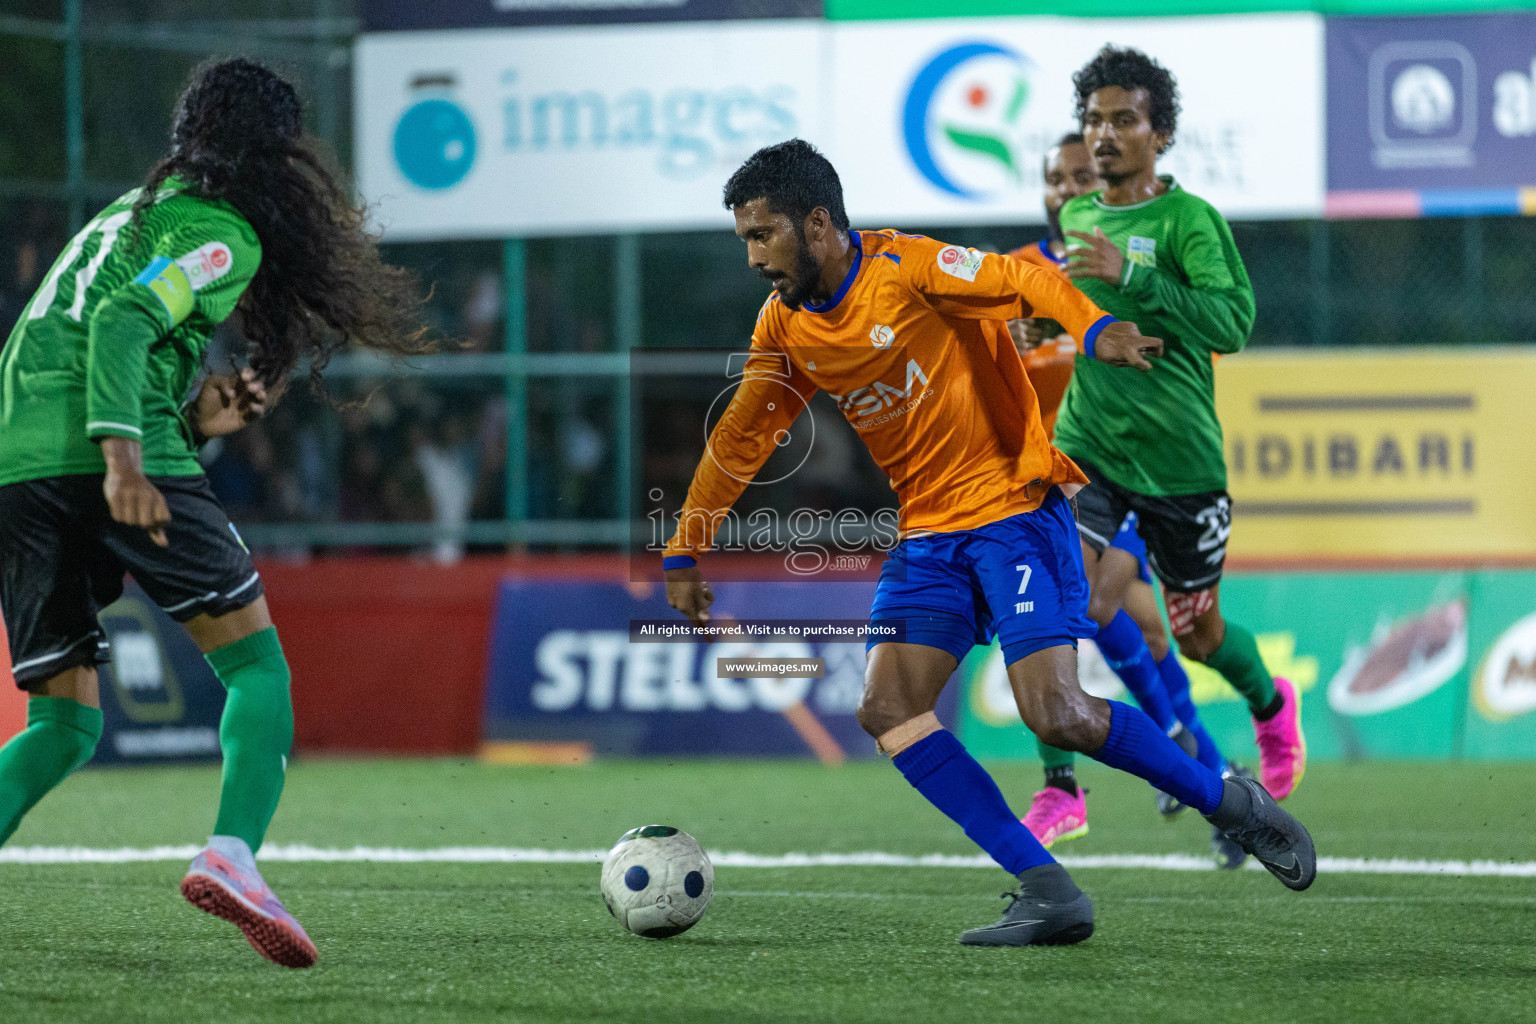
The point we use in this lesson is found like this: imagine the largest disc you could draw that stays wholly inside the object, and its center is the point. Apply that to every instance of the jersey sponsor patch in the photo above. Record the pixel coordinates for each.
(1142, 250)
(961, 263)
(206, 264)
(170, 284)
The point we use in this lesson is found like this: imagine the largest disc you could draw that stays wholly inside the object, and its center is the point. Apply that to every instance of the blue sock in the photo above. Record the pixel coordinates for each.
(1137, 746)
(1126, 651)
(939, 768)
(1176, 685)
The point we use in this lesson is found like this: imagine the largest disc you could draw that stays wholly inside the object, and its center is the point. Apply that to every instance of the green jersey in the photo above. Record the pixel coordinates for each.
(115, 335)
(1156, 433)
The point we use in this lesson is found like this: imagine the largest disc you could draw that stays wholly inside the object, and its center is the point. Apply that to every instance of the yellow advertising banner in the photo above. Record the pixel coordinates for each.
(1423, 454)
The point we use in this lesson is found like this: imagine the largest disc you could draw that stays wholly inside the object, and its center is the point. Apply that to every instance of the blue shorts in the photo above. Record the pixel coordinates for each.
(1128, 539)
(1020, 579)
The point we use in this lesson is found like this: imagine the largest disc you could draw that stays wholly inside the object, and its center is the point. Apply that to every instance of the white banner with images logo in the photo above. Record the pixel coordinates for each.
(946, 121)
(496, 133)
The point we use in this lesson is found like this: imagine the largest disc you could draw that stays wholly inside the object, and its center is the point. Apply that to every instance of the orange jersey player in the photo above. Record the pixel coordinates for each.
(903, 346)
(892, 325)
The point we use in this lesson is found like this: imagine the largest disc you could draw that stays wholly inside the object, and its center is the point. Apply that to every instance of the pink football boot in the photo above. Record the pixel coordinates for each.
(1282, 747)
(1055, 815)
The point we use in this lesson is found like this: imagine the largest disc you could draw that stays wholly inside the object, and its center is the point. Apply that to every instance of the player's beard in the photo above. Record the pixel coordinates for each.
(806, 275)
(1112, 179)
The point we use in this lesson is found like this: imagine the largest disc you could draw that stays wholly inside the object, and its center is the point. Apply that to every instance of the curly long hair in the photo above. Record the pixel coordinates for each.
(1131, 69)
(237, 136)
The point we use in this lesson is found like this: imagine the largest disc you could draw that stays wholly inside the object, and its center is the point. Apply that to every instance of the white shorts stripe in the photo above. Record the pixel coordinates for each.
(44, 659)
(1091, 535)
(1203, 583)
(212, 594)
(189, 602)
(244, 586)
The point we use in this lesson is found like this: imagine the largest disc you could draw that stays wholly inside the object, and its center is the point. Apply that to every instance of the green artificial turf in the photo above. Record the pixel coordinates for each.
(531, 942)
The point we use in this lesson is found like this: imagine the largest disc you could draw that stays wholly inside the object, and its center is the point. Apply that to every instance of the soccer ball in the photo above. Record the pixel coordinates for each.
(657, 881)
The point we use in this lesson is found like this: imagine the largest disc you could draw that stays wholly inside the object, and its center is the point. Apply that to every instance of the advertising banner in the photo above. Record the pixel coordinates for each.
(398, 15)
(566, 665)
(1389, 666)
(1401, 665)
(946, 121)
(1501, 716)
(159, 699)
(497, 133)
(1413, 454)
(1432, 116)
(879, 10)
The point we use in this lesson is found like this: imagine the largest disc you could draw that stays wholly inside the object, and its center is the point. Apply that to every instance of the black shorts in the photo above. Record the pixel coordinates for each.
(1186, 534)
(62, 560)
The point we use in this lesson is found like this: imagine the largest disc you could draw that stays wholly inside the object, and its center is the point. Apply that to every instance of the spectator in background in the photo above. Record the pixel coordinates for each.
(403, 495)
(410, 449)
(237, 467)
(362, 483)
(491, 460)
(481, 315)
(584, 450)
(447, 465)
(20, 273)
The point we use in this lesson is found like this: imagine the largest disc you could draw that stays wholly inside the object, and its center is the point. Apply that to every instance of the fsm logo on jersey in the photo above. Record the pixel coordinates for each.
(962, 119)
(434, 141)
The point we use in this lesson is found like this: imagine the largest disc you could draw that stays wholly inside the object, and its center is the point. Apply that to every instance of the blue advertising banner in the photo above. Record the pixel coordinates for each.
(1432, 116)
(160, 700)
(575, 661)
(407, 15)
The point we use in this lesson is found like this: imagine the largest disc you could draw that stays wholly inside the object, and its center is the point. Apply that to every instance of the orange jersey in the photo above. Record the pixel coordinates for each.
(1039, 254)
(1049, 366)
(914, 350)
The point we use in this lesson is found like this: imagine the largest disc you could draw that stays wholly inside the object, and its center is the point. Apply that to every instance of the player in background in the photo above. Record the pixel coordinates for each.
(98, 453)
(892, 326)
(1148, 251)
(1134, 644)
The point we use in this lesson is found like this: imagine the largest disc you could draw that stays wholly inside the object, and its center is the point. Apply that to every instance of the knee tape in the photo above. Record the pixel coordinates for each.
(896, 740)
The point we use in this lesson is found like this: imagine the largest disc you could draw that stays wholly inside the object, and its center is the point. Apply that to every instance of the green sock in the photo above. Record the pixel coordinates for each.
(60, 736)
(1054, 757)
(255, 733)
(1237, 659)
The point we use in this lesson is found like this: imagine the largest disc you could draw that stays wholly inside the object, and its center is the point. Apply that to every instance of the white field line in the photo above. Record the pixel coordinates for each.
(302, 853)
(502, 892)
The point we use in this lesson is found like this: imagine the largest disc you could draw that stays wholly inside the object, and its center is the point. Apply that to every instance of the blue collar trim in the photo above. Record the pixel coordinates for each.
(842, 289)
